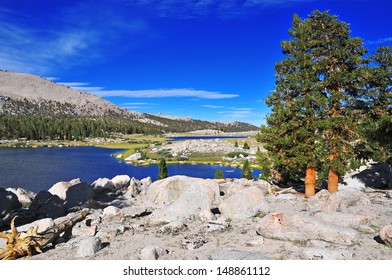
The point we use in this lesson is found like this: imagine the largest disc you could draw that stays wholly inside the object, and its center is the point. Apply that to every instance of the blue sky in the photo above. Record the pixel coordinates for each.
(208, 59)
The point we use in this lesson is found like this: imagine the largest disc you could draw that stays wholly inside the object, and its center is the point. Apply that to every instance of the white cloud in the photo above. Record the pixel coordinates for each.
(380, 41)
(149, 93)
(68, 37)
(23, 50)
(233, 113)
(273, 2)
(53, 79)
(74, 35)
(201, 8)
(138, 105)
(212, 106)
(160, 93)
(75, 84)
(81, 86)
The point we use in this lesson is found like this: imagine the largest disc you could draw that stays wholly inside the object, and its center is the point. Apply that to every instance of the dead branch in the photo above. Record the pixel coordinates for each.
(21, 244)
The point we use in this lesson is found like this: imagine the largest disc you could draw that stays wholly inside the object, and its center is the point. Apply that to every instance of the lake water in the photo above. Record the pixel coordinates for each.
(40, 168)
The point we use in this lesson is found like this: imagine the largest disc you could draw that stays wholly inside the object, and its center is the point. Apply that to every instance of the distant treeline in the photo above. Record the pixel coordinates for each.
(191, 124)
(37, 127)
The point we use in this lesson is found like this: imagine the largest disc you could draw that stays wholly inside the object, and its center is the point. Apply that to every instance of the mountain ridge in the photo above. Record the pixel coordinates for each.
(27, 94)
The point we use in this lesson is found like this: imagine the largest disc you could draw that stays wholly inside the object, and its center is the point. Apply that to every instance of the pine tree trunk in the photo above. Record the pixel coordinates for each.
(333, 180)
(310, 182)
(333, 177)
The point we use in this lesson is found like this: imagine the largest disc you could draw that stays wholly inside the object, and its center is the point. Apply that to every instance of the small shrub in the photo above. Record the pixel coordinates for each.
(236, 154)
(246, 170)
(162, 169)
(266, 173)
(182, 158)
(26, 204)
(355, 164)
(219, 174)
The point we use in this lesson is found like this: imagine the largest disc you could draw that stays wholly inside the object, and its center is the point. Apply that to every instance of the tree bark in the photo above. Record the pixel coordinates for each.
(310, 182)
(333, 180)
(333, 177)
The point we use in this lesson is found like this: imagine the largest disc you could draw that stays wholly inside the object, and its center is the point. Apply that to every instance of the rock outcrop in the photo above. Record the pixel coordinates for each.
(190, 218)
(244, 204)
(386, 234)
(166, 191)
(302, 227)
(8, 202)
(338, 201)
(60, 188)
(47, 205)
(377, 176)
(78, 196)
(189, 204)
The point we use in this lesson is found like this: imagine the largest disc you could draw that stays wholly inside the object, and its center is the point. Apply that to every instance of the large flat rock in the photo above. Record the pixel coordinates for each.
(303, 227)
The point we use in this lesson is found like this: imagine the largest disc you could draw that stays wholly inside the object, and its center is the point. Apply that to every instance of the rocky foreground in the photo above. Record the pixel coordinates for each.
(191, 218)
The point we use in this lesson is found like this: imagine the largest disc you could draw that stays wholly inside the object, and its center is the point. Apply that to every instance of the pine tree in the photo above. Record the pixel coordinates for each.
(246, 146)
(377, 125)
(341, 62)
(246, 170)
(162, 169)
(219, 174)
(381, 83)
(312, 120)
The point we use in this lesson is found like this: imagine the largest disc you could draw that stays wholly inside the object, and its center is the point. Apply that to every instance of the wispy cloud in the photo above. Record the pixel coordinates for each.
(138, 105)
(53, 79)
(82, 86)
(380, 41)
(233, 113)
(71, 36)
(24, 49)
(149, 93)
(160, 93)
(273, 2)
(201, 8)
(212, 106)
(75, 84)
(87, 32)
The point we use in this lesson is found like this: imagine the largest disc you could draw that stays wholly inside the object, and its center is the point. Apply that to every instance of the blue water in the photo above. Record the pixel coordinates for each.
(38, 169)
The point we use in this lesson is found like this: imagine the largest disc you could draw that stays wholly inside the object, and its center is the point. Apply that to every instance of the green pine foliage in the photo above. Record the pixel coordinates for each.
(265, 164)
(377, 126)
(246, 146)
(162, 169)
(219, 174)
(38, 127)
(246, 170)
(313, 121)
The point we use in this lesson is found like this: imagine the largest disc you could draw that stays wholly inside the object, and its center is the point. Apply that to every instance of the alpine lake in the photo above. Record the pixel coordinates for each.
(38, 169)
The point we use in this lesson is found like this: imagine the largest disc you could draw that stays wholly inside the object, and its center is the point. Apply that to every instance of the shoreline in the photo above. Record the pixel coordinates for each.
(150, 146)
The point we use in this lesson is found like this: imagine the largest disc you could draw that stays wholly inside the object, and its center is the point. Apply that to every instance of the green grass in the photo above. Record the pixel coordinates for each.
(207, 158)
(135, 143)
(237, 154)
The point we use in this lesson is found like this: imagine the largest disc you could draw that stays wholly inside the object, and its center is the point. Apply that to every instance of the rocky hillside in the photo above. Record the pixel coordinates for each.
(26, 94)
(29, 94)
